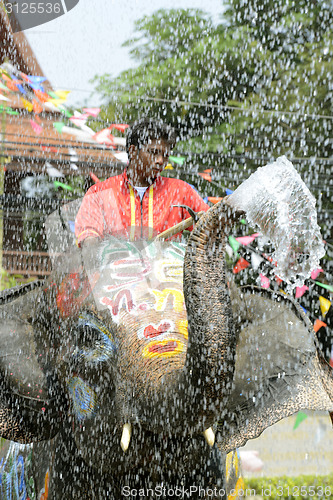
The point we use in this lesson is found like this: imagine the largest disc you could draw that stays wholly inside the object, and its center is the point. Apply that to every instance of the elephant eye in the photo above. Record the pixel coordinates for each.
(94, 341)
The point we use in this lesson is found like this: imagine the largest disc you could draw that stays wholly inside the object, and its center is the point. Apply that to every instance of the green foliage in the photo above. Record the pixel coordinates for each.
(314, 487)
(9, 281)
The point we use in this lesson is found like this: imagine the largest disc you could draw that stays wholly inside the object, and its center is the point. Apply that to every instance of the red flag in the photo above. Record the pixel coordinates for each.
(318, 324)
(214, 199)
(207, 177)
(241, 264)
(119, 126)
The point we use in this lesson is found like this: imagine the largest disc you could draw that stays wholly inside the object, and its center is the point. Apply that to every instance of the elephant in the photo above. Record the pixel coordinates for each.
(138, 365)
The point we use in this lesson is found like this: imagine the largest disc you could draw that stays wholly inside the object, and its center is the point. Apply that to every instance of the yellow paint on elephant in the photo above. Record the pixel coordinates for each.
(163, 348)
(238, 491)
(169, 271)
(182, 327)
(162, 298)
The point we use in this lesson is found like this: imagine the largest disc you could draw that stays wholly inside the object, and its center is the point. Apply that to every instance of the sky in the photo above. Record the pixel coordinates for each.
(87, 40)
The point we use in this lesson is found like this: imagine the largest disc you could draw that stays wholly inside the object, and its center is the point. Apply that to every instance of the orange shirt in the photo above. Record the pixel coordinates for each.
(114, 207)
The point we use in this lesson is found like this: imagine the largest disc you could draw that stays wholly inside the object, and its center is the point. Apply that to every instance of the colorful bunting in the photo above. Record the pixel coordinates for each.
(62, 94)
(246, 240)
(300, 291)
(119, 126)
(318, 324)
(179, 160)
(168, 167)
(104, 137)
(323, 285)
(205, 176)
(234, 243)
(299, 419)
(58, 126)
(94, 177)
(64, 186)
(315, 273)
(36, 128)
(37, 108)
(228, 191)
(93, 111)
(240, 265)
(325, 304)
(27, 104)
(214, 199)
(264, 281)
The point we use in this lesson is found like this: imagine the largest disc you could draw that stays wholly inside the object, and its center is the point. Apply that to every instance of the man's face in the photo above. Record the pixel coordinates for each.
(148, 162)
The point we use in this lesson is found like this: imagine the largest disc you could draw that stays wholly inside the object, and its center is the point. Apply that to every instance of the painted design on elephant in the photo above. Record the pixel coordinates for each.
(14, 475)
(161, 297)
(169, 271)
(163, 348)
(233, 476)
(155, 330)
(45, 491)
(83, 397)
(103, 349)
(123, 298)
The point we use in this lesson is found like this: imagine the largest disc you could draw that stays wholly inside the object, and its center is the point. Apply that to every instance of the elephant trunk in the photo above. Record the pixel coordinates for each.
(211, 346)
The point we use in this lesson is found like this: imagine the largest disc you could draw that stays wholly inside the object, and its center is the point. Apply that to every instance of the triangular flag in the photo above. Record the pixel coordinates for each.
(315, 273)
(246, 240)
(37, 108)
(214, 199)
(36, 128)
(228, 191)
(58, 126)
(207, 177)
(318, 324)
(256, 260)
(104, 137)
(264, 281)
(300, 291)
(42, 96)
(3, 87)
(327, 287)
(64, 186)
(94, 177)
(36, 79)
(93, 111)
(325, 304)
(234, 243)
(179, 160)
(27, 104)
(119, 126)
(78, 119)
(299, 419)
(229, 251)
(3, 98)
(240, 265)
(62, 94)
(168, 167)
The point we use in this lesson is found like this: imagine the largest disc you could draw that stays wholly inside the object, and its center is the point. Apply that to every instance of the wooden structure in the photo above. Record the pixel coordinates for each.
(23, 152)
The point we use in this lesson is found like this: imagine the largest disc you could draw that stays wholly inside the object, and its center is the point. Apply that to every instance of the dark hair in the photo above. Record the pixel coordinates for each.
(148, 129)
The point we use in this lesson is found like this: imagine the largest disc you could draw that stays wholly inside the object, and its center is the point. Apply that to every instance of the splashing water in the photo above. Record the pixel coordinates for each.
(277, 201)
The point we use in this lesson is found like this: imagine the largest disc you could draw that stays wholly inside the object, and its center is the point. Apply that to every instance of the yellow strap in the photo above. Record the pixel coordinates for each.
(150, 213)
(132, 198)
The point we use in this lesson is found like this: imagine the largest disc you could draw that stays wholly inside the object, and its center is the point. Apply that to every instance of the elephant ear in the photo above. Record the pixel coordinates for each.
(27, 411)
(278, 368)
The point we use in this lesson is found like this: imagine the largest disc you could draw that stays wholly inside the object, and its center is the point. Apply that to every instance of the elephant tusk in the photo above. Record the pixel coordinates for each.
(126, 437)
(209, 436)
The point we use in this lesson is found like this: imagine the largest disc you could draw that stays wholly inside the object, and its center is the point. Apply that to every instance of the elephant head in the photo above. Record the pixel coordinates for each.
(138, 350)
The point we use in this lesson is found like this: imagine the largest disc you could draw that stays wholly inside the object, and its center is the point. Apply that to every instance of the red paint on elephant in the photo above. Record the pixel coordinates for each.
(150, 331)
(162, 348)
(73, 291)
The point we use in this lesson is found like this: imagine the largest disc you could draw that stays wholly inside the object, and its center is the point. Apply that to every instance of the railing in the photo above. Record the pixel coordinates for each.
(27, 263)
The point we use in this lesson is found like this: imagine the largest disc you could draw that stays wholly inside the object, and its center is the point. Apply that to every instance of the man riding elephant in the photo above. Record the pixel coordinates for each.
(139, 203)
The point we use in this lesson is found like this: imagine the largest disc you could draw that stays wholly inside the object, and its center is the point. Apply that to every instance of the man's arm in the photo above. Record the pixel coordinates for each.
(89, 222)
